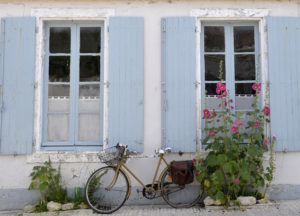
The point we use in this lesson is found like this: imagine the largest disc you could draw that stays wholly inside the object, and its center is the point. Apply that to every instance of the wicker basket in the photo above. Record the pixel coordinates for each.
(111, 156)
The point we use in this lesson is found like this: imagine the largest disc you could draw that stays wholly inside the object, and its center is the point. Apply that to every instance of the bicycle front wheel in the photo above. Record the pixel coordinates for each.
(180, 196)
(103, 194)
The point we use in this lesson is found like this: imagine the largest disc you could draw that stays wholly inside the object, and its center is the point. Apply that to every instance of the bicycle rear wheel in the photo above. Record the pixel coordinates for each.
(101, 195)
(177, 196)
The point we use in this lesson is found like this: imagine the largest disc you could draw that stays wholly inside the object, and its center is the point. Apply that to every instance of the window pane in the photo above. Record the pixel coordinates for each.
(214, 39)
(89, 39)
(58, 127)
(89, 90)
(244, 102)
(59, 68)
(244, 67)
(60, 40)
(212, 64)
(212, 102)
(89, 98)
(58, 98)
(210, 88)
(89, 68)
(89, 127)
(244, 39)
(244, 89)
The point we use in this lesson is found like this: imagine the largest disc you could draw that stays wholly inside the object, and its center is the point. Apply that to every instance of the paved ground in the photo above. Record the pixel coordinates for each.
(282, 208)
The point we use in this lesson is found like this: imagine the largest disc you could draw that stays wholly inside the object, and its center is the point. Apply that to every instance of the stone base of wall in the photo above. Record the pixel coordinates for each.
(12, 199)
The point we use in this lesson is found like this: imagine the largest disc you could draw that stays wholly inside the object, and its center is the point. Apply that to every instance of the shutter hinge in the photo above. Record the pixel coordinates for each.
(107, 84)
(163, 26)
(35, 85)
(196, 84)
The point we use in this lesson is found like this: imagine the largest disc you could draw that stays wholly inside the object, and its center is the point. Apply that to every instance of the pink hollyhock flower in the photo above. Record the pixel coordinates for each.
(259, 87)
(211, 133)
(233, 129)
(225, 93)
(207, 117)
(256, 124)
(194, 160)
(231, 101)
(267, 111)
(222, 87)
(266, 142)
(214, 114)
(237, 181)
(206, 112)
(232, 107)
(237, 122)
(255, 86)
(218, 91)
(218, 85)
(197, 173)
(241, 123)
(225, 103)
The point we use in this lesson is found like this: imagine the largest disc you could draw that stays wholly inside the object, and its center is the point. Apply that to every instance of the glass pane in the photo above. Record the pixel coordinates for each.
(58, 98)
(244, 39)
(211, 88)
(214, 39)
(89, 98)
(212, 64)
(89, 104)
(89, 90)
(59, 68)
(89, 127)
(212, 102)
(244, 102)
(245, 118)
(58, 127)
(89, 68)
(60, 40)
(244, 67)
(90, 39)
(244, 89)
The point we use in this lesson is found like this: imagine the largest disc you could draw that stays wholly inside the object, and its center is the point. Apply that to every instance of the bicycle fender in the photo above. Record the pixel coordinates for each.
(160, 176)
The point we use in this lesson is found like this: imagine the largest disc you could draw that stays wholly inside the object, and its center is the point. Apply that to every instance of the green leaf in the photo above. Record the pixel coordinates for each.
(43, 186)
(211, 160)
(43, 178)
(221, 159)
(32, 186)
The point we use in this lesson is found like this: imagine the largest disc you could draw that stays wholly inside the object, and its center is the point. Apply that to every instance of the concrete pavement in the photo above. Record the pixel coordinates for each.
(278, 208)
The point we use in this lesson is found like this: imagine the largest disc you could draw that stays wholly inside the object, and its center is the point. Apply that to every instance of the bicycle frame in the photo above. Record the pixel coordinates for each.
(151, 189)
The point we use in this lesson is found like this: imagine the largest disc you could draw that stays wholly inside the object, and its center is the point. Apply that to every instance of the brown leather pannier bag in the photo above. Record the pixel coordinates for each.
(182, 172)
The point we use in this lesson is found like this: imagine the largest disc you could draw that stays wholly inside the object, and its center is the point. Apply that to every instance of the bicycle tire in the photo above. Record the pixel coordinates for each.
(99, 198)
(180, 196)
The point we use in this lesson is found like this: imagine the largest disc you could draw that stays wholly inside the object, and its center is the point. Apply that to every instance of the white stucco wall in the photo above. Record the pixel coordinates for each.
(14, 170)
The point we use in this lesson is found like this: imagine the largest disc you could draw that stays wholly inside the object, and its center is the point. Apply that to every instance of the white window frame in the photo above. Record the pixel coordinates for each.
(257, 15)
(64, 14)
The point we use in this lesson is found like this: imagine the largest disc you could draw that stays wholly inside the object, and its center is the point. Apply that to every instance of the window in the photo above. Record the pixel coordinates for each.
(236, 45)
(73, 105)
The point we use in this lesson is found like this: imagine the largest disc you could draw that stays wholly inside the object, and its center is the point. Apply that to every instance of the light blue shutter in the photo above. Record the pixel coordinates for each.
(178, 84)
(125, 100)
(284, 73)
(17, 81)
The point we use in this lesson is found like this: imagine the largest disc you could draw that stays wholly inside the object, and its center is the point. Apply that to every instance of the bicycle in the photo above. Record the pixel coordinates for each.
(109, 187)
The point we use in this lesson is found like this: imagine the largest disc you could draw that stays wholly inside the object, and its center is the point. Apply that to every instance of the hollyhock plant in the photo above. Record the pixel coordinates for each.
(256, 124)
(234, 163)
(267, 111)
(211, 133)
